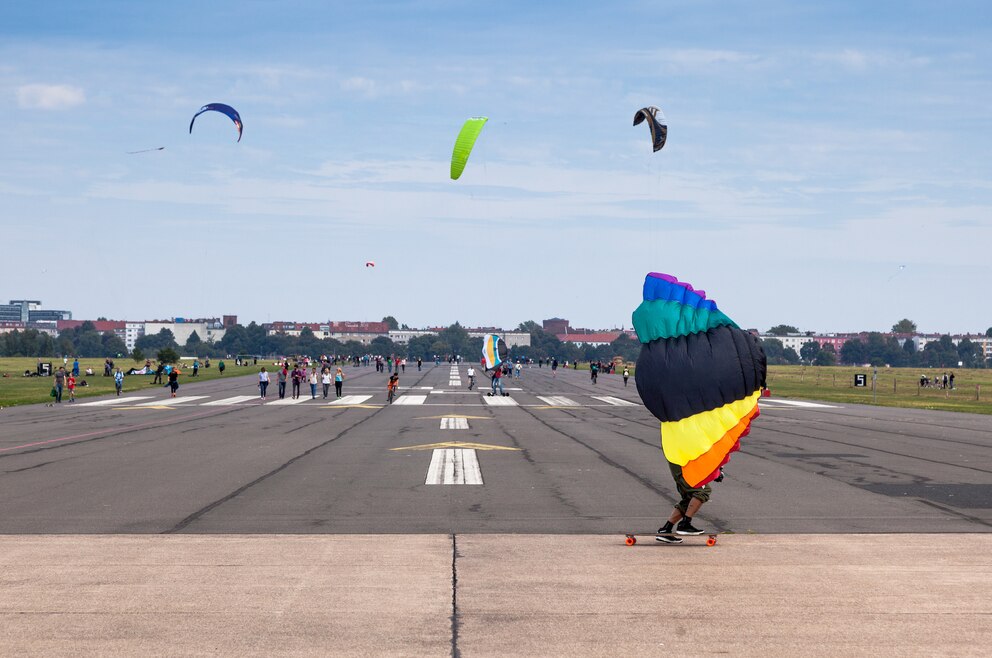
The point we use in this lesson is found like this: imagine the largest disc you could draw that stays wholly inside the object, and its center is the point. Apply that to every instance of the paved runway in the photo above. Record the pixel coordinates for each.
(559, 455)
(451, 523)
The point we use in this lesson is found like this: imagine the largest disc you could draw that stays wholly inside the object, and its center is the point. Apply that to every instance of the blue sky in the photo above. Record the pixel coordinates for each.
(814, 148)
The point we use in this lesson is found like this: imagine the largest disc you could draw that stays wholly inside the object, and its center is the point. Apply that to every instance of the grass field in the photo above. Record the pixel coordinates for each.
(895, 387)
(16, 389)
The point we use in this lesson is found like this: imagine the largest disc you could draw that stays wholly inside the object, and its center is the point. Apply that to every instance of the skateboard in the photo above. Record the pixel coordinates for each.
(631, 538)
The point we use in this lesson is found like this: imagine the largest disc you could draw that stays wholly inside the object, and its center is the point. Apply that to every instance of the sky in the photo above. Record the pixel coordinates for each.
(827, 164)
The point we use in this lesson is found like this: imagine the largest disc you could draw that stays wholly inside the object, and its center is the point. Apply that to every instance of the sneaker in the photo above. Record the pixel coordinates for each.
(668, 539)
(686, 528)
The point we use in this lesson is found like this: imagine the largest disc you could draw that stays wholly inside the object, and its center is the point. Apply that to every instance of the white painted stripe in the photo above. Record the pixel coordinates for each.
(350, 399)
(173, 401)
(494, 401)
(454, 423)
(227, 402)
(557, 401)
(617, 402)
(290, 400)
(441, 392)
(410, 399)
(111, 401)
(797, 403)
(454, 466)
(424, 388)
(454, 382)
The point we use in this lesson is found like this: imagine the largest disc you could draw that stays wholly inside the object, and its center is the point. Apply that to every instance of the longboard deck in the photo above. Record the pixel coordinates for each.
(631, 538)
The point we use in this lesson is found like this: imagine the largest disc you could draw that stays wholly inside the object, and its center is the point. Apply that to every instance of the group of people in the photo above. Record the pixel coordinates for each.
(300, 374)
(944, 381)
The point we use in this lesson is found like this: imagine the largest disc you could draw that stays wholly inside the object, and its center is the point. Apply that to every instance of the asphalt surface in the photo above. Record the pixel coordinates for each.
(219, 525)
(589, 467)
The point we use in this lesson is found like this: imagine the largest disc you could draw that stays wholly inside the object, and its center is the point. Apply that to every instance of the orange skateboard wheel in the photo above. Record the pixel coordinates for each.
(711, 541)
(631, 540)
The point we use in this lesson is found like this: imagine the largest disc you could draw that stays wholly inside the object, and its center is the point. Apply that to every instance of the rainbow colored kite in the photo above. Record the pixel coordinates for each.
(698, 373)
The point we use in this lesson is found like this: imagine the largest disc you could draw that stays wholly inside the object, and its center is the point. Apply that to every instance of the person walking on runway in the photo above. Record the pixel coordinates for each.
(281, 380)
(313, 383)
(263, 382)
(325, 381)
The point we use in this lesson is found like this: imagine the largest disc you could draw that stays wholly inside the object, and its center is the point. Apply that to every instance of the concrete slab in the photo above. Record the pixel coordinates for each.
(754, 595)
(235, 595)
(585, 595)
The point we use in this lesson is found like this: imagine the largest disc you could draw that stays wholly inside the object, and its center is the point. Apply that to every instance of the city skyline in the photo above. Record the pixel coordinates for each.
(227, 319)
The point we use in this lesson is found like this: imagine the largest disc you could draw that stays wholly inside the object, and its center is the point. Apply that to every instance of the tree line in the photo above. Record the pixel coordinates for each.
(86, 341)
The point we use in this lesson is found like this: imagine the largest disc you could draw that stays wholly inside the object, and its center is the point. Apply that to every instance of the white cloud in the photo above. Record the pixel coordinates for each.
(862, 60)
(49, 97)
(359, 84)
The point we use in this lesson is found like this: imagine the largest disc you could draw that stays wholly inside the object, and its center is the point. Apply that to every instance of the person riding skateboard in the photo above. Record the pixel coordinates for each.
(692, 499)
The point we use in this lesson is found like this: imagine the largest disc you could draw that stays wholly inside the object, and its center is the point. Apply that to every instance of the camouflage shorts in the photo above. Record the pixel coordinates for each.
(685, 491)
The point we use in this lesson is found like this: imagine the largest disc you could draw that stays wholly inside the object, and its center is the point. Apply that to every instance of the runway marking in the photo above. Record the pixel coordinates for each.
(454, 423)
(173, 401)
(557, 401)
(454, 444)
(454, 466)
(609, 399)
(450, 416)
(797, 403)
(284, 401)
(227, 402)
(112, 401)
(411, 399)
(352, 406)
(145, 407)
(349, 400)
(494, 401)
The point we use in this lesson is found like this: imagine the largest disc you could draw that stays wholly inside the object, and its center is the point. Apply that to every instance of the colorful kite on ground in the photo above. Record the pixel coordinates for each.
(657, 124)
(226, 110)
(494, 351)
(698, 373)
(463, 145)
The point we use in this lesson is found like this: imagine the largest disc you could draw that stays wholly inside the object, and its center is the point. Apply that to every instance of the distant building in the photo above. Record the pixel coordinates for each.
(592, 339)
(132, 332)
(116, 327)
(29, 310)
(209, 330)
(8, 326)
(362, 332)
(555, 326)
